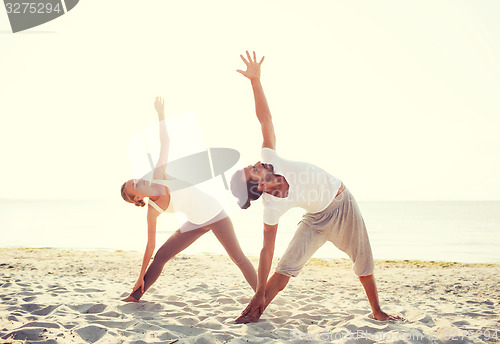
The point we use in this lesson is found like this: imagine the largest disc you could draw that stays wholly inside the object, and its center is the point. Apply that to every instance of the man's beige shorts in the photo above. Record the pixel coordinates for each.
(342, 224)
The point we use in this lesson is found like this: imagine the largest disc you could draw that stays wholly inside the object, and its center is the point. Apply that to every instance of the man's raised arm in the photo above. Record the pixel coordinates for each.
(261, 108)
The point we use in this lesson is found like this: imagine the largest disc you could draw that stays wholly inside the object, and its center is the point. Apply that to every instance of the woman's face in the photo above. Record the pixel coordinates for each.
(143, 188)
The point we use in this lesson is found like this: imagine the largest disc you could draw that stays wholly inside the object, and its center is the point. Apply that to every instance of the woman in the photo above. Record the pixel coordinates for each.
(332, 213)
(203, 213)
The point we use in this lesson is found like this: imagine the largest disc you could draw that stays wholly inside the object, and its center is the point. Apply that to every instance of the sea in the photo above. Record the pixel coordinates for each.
(465, 232)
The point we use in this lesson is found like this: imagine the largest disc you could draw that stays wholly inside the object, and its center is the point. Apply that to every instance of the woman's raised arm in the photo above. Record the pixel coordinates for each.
(159, 173)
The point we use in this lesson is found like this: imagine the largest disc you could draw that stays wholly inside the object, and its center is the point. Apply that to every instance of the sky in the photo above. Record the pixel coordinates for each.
(398, 99)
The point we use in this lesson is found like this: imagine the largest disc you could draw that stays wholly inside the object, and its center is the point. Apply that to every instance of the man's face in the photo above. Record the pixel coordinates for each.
(259, 172)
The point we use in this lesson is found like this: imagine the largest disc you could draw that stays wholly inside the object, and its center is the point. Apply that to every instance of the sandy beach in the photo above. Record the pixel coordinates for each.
(68, 296)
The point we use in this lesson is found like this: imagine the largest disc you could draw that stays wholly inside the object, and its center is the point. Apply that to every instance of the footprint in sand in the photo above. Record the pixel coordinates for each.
(113, 314)
(225, 300)
(28, 334)
(121, 325)
(30, 307)
(11, 318)
(177, 303)
(196, 302)
(184, 330)
(203, 305)
(418, 316)
(69, 326)
(88, 290)
(188, 321)
(41, 324)
(23, 284)
(461, 323)
(231, 308)
(165, 337)
(243, 299)
(308, 307)
(58, 289)
(89, 308)
(133, 307)
(306, 317)
(92, 333)
(45, 311)
(360, 311)
(284, 314)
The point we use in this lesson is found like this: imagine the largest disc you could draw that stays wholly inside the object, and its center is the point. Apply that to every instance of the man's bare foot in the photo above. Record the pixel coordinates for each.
(130, 298)
(382, 316)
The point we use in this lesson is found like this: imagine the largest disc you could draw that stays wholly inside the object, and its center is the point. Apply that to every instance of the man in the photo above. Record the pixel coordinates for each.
(332, 213)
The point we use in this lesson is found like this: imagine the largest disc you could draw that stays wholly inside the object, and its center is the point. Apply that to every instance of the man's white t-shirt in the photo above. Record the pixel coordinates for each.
(310, 187)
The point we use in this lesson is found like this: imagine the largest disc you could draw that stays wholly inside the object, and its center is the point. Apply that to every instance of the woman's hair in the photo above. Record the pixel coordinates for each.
(127, 198)
(244, 190)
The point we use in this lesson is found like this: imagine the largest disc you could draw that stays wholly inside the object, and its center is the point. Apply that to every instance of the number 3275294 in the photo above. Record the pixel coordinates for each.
(32, 7)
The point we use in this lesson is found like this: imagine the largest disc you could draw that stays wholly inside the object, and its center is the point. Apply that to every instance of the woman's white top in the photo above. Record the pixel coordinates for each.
(310, 187)
(198, 206)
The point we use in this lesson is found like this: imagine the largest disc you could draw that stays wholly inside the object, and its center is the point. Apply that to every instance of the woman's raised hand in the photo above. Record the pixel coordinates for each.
(253, 67)
(160, 106)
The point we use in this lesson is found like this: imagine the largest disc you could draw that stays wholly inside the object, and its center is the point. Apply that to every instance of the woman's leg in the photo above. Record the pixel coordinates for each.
(175, 244)
(224, 231)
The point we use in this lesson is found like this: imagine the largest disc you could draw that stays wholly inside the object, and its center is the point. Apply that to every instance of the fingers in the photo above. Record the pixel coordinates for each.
(247, 309)
(249, 59)
(254, 316)
(241, 320)
(245, 61)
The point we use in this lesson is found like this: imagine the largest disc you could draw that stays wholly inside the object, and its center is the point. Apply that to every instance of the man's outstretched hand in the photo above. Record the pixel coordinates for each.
(253, 67)
(253, 311)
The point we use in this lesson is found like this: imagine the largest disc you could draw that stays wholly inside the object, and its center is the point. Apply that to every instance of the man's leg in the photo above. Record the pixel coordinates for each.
(370, 286)
(304, 243)
(349, 235)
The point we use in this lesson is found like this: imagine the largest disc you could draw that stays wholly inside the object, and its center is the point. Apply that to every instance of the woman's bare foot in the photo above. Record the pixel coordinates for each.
(130, 298)
(382, 316)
